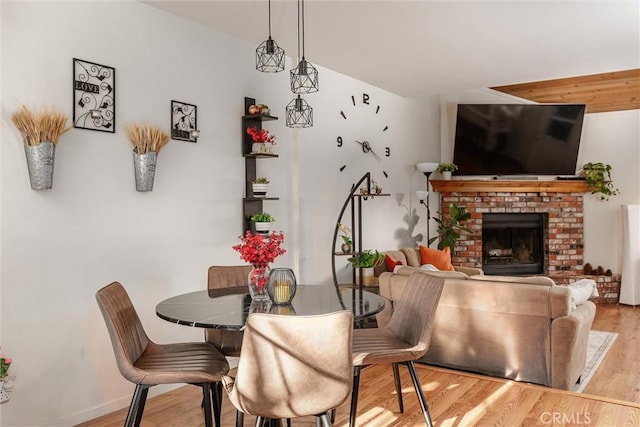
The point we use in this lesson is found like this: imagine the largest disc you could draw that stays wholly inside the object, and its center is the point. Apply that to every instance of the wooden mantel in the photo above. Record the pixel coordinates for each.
(505, 186)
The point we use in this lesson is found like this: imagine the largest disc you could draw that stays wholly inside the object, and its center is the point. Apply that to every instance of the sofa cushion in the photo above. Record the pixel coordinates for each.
(412, 256)
(530, 280)
(439, 258)
(407, 271)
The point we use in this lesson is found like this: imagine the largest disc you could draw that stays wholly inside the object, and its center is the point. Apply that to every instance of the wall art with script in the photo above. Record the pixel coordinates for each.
(184, 121)
(94, 96)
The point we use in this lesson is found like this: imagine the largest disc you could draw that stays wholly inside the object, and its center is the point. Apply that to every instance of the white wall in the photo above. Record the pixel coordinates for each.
(59, 246)
(612, 138)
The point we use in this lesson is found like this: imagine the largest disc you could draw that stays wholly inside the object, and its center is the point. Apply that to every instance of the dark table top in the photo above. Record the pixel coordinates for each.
(229, 308)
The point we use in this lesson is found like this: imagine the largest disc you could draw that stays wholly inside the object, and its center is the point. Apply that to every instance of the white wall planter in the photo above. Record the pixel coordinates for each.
(259, 190)
(262, 227)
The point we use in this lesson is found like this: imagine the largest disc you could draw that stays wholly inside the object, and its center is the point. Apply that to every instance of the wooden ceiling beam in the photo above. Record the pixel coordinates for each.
(613, 91)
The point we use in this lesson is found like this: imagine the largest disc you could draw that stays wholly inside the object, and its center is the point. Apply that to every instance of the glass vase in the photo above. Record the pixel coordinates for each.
(258, 281)
(282, 285)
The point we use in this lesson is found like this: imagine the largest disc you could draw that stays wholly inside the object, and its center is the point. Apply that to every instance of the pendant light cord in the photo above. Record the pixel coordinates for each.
(269, 18)
(298, 30)
(302, 28)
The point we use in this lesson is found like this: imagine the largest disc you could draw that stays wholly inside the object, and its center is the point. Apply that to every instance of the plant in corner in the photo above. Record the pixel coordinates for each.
(449, 230)
(262, 217)
(260, 180)
(598, 177)
(347, 242)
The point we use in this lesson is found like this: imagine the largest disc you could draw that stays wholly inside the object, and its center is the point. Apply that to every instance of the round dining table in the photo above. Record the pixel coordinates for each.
(229, 308)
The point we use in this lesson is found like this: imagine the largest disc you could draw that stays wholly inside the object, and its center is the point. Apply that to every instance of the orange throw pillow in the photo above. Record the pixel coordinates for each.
(441, 259)
(391, 263)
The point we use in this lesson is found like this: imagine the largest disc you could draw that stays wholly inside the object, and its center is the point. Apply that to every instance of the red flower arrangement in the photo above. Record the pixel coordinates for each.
(259, 250)
(261, 136)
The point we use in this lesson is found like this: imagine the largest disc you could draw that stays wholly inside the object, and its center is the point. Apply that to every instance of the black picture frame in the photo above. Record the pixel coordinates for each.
(94, 96)
(184, 121)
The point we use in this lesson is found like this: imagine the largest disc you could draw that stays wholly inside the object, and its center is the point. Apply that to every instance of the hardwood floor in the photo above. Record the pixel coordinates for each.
(612, 397)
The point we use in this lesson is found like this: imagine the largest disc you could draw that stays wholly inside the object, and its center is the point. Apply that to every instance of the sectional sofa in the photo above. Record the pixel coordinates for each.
(520, 328)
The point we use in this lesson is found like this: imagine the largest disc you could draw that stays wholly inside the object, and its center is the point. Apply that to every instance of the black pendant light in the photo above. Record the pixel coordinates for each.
(299, 114)
(304, 77)
(269, 56)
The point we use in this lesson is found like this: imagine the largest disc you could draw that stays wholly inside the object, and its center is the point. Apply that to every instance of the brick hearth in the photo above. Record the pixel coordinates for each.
(561, 202)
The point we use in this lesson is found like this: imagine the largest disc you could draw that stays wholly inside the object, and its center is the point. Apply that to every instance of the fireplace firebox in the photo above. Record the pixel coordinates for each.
(513, 243)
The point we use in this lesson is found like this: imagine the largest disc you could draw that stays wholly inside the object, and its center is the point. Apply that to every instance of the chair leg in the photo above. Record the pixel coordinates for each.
(416, 385)
(132, 414)
(259, 421)
(206, 392)
(396, 377)
(354, 396)
(333, 415)
(325, 420)
(216, 399)
(141, 403)
(239, 419)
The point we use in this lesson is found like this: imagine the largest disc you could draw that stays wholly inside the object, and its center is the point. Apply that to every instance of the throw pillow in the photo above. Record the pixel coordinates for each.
(390, 263)
(581, 291)
(441, 259)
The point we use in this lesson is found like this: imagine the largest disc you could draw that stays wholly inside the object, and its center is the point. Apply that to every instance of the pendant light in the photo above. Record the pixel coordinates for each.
(304, 78)
(269, 56)
(299, 114)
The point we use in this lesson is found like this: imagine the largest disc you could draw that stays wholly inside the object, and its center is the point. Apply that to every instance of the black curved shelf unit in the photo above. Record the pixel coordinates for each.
(353, 202)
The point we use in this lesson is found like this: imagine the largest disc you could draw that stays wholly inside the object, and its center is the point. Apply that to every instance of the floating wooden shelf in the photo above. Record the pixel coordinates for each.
(516, 186)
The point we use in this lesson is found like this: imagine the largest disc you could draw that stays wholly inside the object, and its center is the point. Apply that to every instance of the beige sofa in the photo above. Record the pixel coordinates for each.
(521, 328)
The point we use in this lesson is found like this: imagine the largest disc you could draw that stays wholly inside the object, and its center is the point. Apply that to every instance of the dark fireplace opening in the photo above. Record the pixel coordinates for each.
(513, 243)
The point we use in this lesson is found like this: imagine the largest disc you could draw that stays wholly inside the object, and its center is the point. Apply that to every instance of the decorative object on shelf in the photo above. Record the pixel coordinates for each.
(304, 77)
(269, 56)
(6, 381)
(263, 141)
(94, 96)
(299, 113)
(147, 142)
(427, 168)
(449, 230)
(259, 109)
(366, 260)
(282, 285)
(262, 222)
(184, 122)
(347, 240)
(446, 169)
(259, 187)
(260, 251)
(598, 177)
(40, 135)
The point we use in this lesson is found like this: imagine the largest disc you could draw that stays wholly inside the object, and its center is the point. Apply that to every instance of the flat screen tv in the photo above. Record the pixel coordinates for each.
(517, 139)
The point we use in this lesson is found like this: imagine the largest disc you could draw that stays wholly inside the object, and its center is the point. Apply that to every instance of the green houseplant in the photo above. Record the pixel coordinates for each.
(367, 258)
(259, 187)
(447, 167)
(262, 222)
(598, 177)
(449, 230)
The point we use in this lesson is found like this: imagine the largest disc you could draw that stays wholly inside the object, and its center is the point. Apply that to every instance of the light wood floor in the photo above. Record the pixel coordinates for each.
(612, 398)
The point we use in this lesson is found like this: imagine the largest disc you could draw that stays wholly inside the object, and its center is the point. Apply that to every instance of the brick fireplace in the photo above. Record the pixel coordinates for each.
(561, 204)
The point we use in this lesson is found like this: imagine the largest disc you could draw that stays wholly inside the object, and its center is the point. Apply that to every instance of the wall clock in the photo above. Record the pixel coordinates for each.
(364, 131)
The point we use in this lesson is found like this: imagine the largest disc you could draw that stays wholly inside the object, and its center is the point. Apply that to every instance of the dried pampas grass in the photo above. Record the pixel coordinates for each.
(145, 138)
(46, 126)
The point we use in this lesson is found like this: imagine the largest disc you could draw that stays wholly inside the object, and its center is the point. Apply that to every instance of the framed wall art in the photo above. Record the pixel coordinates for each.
(94, 96)
(184, 122)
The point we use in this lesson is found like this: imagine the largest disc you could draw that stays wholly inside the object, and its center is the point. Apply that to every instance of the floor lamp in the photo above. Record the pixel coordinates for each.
(427, 169)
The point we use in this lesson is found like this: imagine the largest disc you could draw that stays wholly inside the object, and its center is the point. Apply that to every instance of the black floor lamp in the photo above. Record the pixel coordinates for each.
(427, 169)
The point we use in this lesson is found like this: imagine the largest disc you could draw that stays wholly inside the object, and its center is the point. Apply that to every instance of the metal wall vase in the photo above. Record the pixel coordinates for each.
(145, 169)
(40, 164)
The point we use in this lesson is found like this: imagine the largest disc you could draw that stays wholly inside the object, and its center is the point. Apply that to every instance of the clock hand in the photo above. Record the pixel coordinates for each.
(366, 147)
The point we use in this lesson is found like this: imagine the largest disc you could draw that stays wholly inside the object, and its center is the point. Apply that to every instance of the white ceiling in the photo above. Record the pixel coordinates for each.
(417, 48)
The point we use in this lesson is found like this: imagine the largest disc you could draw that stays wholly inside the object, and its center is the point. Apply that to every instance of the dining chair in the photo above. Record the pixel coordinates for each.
(145, 363)
(403, 340)
(293, 366)
(226, 278)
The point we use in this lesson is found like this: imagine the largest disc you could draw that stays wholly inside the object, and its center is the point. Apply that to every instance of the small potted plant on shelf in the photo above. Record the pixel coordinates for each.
(449, 231)
(263, 141)
(347, 242)
(366, 260)
(262, 222)
(446, 169)
(598, 177)
(259, 186)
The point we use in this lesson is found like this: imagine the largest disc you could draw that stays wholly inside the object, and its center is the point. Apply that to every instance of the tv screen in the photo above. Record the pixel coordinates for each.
(517, 139)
